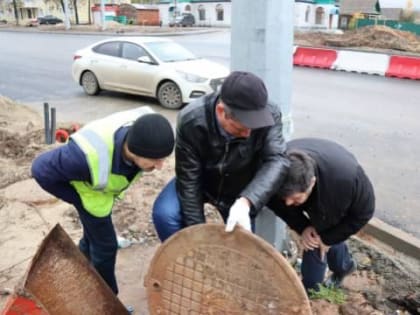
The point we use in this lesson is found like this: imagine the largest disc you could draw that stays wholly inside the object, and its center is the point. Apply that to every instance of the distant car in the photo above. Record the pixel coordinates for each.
(148, 66)
(183, 20)
(49, 19)
(32, 22)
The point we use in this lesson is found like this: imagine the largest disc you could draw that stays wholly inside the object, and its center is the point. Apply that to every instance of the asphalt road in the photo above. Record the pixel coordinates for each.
(377, 118)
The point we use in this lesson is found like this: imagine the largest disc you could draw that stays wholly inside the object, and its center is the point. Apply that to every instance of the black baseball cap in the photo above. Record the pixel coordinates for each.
(246, 97)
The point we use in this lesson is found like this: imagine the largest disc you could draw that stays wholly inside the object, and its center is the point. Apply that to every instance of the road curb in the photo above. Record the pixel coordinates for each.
(397, 239)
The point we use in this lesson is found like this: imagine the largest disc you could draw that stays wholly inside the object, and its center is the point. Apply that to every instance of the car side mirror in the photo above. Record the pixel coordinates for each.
(145, 59)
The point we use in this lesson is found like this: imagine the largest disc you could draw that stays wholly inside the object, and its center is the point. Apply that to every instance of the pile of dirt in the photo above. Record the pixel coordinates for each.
(377, 37)
(21, 139)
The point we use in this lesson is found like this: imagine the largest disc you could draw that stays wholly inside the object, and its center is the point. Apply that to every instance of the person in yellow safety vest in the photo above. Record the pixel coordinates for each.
(96, 166)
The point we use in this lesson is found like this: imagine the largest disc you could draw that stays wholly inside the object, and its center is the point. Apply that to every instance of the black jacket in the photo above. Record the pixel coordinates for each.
(210, 168)
(342, 200)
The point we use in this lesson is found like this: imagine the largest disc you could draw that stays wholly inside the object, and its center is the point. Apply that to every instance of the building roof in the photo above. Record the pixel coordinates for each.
(391, 13)
(361, 6)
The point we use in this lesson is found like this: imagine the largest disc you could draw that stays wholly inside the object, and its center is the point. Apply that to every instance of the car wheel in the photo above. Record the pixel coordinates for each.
(90, 83)
(169, 95)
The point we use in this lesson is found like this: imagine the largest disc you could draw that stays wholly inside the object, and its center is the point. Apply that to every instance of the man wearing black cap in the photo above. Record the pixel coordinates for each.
(98, 163)
(229, 152)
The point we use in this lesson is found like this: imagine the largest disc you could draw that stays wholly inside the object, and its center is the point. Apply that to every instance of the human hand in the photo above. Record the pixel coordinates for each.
(310, 238)
(323, 249)
(239, 214)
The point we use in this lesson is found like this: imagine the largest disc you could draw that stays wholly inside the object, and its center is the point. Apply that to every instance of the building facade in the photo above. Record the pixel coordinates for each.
(31, 9)
(322, 14)
(319, 14)
(316, 14)
(206, 13)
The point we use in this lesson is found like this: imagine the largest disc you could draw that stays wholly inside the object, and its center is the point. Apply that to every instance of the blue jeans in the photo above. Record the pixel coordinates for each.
(167, 215)
(313, 268)
(99, 245)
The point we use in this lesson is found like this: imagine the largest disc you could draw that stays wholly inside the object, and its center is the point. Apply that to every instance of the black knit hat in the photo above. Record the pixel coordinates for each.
(151, 136)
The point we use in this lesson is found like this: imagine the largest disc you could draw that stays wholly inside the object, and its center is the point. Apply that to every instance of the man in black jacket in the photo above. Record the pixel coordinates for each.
(229, 152)
(326, 197)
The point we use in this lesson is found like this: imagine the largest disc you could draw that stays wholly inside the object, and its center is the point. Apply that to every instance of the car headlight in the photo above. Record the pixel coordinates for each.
(192, 77)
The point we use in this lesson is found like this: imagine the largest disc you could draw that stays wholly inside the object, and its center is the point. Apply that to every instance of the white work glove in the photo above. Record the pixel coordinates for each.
(239, 214)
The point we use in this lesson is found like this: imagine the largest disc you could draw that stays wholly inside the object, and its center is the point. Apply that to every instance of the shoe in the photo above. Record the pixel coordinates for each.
(336, 280)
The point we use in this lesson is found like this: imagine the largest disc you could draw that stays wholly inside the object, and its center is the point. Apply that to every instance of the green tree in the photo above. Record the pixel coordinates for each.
(407, 14)
(16, 11)
(76, 13)
(56, 3)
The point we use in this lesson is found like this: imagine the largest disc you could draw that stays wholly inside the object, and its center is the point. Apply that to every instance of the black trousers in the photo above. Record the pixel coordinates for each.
(99, 244)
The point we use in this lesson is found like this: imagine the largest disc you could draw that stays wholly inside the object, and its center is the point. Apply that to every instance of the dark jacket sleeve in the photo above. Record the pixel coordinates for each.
(273, 166)
(292, 216)
(53, 171)
(359, 212)
(189, 177)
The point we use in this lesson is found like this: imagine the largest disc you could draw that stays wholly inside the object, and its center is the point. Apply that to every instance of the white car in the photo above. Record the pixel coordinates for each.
(148, 66)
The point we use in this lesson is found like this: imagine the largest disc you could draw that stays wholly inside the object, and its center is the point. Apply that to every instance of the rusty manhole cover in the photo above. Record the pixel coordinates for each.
(202, 270)
(62, 280)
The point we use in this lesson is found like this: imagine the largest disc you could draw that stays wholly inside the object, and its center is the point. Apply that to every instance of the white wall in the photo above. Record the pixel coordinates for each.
(211, 15)
(210, 8)
(164, 13)
(300, 16)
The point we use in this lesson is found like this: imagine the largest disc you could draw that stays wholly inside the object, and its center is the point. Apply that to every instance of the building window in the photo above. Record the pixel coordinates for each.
(320, 15)
(219, 12)
(201, 13)
(307, 12)
(344, 22)
(174, 11)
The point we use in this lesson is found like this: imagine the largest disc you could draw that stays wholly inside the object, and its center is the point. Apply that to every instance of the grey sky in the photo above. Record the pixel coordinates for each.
(399, 4)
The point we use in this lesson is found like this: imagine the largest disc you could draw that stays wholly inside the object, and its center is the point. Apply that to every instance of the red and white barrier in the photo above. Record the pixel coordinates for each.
(404, 67)
(360, 62)
(314, 57)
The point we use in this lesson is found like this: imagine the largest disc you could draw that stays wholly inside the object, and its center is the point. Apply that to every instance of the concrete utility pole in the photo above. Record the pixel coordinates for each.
(262, 43)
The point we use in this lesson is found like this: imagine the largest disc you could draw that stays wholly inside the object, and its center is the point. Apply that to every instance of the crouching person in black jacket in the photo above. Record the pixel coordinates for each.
(326, 197)
(229, 152)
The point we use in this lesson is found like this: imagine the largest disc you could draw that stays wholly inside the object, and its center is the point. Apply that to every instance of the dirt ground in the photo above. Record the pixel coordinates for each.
(382, 285)
(370, 38)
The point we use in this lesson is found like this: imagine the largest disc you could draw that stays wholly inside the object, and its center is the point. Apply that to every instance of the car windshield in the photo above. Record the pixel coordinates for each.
(170, 52)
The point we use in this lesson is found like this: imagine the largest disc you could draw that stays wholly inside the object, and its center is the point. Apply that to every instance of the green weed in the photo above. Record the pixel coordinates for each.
(330, 294)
